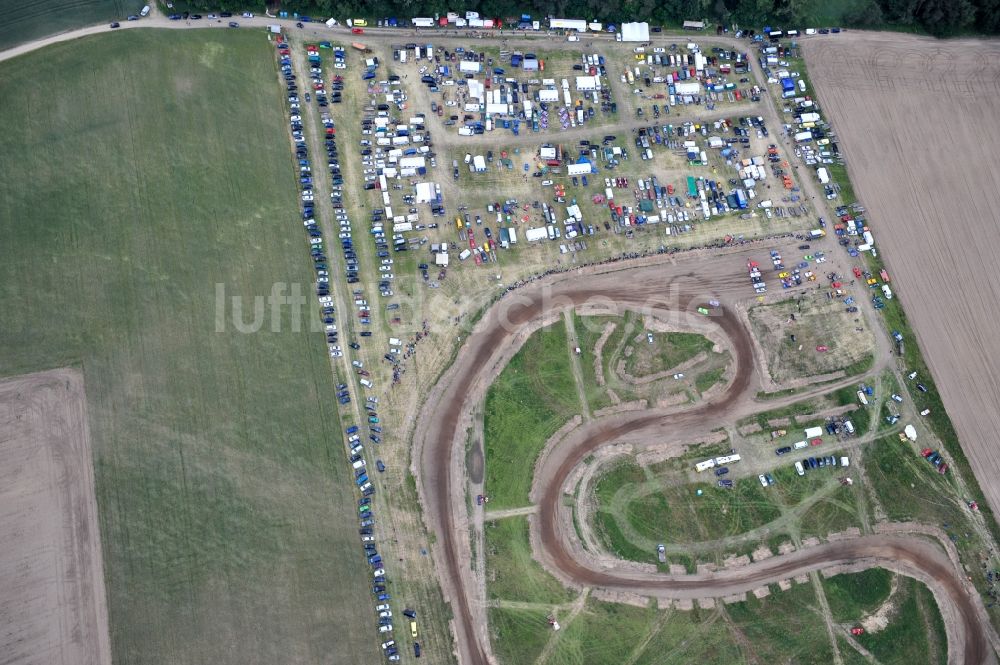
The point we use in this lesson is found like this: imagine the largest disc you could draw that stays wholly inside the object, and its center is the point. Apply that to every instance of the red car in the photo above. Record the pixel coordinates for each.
(857, 271)
(357, 31)
(816, 442)
(822, 349)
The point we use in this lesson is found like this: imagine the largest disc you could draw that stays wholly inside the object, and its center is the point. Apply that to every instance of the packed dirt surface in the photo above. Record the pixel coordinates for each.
(661, 285)
(53, 607)
(916, 119)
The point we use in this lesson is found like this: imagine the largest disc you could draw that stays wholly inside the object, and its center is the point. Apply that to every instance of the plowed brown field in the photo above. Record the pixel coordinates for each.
(917, 121)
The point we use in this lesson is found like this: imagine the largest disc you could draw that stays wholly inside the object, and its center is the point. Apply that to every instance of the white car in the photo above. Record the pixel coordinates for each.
(247, 15)
(326, 300)
(340, 65)
(307, 197)
(379, 572)
(382, 607)
(384, 269)
(763, 480)
(387, 628)
(357, 363)
(386, 645)
(678, 376)
(897, 397)
(385, 615)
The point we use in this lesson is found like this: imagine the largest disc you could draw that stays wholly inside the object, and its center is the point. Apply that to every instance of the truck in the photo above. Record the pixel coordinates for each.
(816, 234)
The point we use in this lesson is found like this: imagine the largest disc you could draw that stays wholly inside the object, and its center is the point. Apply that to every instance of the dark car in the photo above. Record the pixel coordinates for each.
(783, 450)
(379, 465)
(728, 484)
(116, 24)
(721, 471)
(416, 649)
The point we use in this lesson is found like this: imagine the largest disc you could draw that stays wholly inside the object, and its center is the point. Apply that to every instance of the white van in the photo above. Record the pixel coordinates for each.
(359, 464)
(145, 11)
(366, 383)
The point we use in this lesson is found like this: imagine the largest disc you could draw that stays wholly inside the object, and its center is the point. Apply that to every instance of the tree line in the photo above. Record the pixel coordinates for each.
(936, 17)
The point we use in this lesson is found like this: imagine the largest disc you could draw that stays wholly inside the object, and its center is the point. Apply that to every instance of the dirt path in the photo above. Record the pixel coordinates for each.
(53, 607)
(489, 516)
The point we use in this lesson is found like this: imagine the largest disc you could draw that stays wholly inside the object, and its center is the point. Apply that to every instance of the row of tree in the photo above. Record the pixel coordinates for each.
(936, 17)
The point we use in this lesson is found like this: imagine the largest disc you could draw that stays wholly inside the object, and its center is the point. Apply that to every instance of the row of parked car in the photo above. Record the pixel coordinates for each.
(356, 452)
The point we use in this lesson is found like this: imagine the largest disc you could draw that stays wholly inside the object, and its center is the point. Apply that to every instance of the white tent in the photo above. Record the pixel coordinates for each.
(412, 162)
(531, 235)
(687, 87)
(586, 83)
(548, 95)
(425, 192)
(579, 169)
(476, 89)
(635, 32)
(441, 259)
(468, 67)
(479, 163)
(547, 152)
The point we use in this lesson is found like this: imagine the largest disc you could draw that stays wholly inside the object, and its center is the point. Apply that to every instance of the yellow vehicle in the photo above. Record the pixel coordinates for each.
(782, 275)
(360, 23)
(872, 281)
(459, 223)
(413, 629)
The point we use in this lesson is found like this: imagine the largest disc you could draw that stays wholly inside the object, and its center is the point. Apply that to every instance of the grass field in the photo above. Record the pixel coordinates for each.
(667, 351)
(512, 573)
(531, 399)
(914, 631)
(852, 596)
(25, 21)
(226, 514)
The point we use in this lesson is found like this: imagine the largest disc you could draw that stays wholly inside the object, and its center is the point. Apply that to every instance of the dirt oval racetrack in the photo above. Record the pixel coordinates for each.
(916, 120)
(664, 285)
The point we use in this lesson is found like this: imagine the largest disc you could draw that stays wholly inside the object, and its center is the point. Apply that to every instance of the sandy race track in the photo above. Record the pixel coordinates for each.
(663, 285)
(52, 608)
(917, 121)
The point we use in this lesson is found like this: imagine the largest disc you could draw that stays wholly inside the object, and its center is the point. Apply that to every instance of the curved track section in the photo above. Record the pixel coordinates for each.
(663, 285)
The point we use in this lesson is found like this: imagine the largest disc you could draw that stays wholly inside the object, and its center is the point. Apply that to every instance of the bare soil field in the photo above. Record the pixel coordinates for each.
(814, 321)
(916, 121)
(53, 608)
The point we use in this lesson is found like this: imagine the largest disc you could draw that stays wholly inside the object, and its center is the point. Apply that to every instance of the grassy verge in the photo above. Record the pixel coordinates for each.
(512, 573)
(706, 380)
(531, 399)
(220, 470)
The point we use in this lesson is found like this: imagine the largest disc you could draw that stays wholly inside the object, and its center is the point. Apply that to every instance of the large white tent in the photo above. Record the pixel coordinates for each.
(635, 32)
